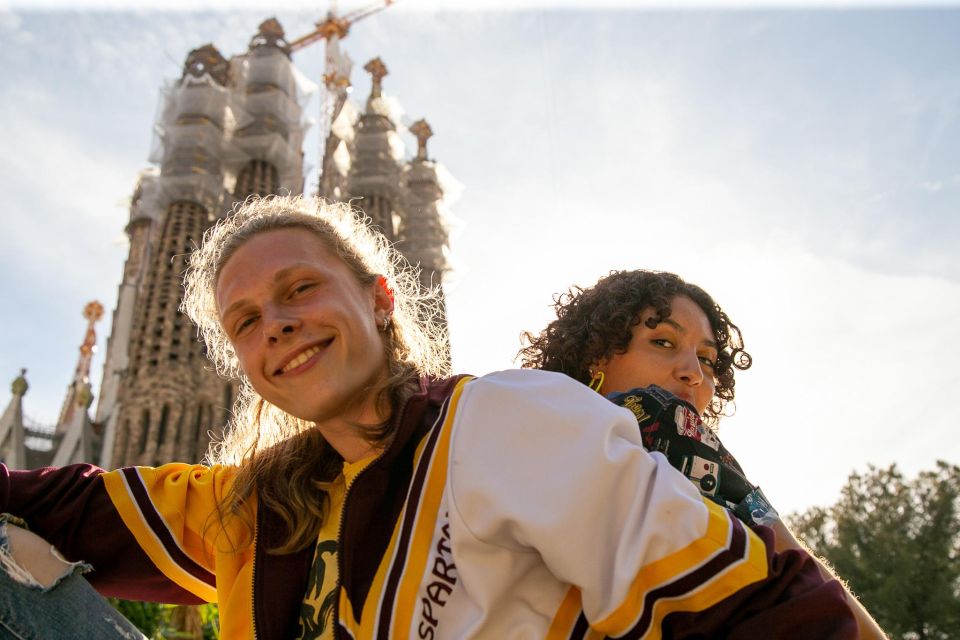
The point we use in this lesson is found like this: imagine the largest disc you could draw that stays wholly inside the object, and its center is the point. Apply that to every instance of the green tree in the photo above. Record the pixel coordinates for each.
(897, 543)
(158, 621)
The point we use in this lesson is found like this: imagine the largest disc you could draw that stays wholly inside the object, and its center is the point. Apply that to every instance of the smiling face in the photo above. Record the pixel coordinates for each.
(678, 354)
(303, 326)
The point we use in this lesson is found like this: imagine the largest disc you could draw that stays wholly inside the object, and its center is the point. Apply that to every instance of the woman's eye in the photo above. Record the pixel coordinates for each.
(662, 342)
(708, 361)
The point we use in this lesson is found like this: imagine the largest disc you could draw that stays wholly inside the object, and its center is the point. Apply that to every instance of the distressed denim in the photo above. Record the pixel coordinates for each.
(70, 609)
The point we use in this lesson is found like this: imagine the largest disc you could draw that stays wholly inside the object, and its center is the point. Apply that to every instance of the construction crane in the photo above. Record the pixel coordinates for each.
(334, 26)
(336, 70)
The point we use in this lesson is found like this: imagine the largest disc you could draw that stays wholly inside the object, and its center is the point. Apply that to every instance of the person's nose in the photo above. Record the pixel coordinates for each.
(279, 325)
(688, 369)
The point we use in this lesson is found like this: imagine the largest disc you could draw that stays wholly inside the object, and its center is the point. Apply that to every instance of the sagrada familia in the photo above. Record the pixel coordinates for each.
(228, 129)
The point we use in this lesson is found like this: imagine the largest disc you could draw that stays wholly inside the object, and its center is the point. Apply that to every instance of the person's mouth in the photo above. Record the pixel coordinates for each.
(300, 359)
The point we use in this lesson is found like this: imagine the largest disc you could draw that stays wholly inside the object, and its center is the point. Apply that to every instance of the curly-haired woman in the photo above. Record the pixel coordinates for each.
(638, 328)
(363, 494)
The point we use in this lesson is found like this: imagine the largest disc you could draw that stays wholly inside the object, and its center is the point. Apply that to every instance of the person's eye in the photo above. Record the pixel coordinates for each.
(243, 324)
(302, 288)
(708, 361)
(662, 342)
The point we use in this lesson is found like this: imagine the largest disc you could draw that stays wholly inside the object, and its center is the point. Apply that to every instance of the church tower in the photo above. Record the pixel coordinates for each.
(364, 164)
(422, 234)
(228, 129)
(374, 176)
(166, 394)
(77, 438)
(13, 433)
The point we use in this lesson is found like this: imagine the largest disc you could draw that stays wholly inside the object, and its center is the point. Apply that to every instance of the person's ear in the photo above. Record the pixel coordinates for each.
(382, 302)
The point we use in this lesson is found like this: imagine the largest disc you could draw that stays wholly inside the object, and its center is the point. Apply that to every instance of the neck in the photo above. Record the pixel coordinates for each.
(352, 447)
(346, 432)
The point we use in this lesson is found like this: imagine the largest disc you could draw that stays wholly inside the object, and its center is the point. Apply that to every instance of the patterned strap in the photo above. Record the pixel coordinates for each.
(672, 427)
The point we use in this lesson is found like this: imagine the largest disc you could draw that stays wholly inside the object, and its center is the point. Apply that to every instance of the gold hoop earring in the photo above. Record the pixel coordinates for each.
(596, 381)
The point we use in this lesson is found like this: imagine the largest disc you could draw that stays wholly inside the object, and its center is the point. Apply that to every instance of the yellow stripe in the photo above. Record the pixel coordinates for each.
(567, 614)
(425, 524)
(667, 569)
(347, 619)
(371, 607)
(129, 511)
(731, 580)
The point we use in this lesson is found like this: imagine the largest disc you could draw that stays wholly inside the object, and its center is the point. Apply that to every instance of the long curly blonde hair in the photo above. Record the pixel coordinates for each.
(281, 457)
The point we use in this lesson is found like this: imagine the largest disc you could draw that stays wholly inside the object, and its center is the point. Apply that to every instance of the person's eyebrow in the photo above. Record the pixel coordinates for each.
(278, 276)
(680, 329)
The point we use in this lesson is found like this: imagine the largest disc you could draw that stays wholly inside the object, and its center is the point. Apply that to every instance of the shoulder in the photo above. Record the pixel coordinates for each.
(536, 388)
(539, 400)
(534, 422)
(170, 486)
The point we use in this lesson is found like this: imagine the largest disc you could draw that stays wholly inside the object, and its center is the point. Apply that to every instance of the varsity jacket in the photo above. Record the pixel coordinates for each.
(517, 505)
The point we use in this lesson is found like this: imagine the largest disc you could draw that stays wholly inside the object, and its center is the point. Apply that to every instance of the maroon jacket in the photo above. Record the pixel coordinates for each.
(71, 509)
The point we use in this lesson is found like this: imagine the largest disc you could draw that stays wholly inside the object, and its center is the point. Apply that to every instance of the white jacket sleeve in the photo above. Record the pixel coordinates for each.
(542, 464)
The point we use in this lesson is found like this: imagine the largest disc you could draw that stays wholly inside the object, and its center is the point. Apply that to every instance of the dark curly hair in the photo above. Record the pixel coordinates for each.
(596, 323)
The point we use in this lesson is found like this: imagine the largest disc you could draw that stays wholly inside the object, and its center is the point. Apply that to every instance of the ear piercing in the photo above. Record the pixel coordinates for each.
(596, 380)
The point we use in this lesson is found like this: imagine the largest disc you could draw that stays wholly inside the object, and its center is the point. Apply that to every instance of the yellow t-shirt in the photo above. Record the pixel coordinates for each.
(316, 611)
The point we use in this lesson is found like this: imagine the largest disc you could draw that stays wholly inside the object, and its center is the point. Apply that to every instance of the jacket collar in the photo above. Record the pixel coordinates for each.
(375, 501)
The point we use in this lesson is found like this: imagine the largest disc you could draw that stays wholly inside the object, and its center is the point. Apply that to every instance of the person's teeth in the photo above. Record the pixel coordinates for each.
(300, 359)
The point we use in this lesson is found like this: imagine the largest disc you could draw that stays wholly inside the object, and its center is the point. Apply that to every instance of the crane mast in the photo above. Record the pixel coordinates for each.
(336, 71)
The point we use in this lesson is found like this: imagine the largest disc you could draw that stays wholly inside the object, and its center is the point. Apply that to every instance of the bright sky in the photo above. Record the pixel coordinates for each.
(801, 165)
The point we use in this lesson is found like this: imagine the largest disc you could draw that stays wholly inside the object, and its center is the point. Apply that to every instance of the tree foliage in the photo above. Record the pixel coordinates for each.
(162, 622)
(897, 544)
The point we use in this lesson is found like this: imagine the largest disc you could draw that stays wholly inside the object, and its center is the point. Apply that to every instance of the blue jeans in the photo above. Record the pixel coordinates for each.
(69, 609)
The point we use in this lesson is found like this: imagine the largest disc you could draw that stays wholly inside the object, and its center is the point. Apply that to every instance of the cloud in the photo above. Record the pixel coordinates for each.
(878, 349)
(9, 20)
(80, 215)
(852, 366)
(470, 5)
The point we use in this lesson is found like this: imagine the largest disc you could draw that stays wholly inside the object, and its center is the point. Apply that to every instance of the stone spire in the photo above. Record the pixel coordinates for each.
(207, 60)
(423, 132)
(13, 451)
(374, 176)
(77, 440)
(80, 385)
(166, 397)
(422, 234)
(267, 153)
(270, 34)
(377, 71)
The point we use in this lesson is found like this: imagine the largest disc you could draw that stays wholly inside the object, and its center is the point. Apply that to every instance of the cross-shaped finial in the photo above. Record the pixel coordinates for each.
(377, 70)
(422, 130)
(93, 311)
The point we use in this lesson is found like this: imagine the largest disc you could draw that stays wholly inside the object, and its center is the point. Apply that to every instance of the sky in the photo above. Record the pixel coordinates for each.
(801, 163)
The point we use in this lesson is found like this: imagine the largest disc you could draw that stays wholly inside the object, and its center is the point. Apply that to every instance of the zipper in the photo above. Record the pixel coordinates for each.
(253, 594)
(343, 519)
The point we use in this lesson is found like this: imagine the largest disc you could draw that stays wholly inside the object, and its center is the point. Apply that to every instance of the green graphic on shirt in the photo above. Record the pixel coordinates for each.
(313, 619)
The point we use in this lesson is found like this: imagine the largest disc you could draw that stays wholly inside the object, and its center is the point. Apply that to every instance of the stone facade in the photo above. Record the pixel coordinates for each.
(229, 129)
